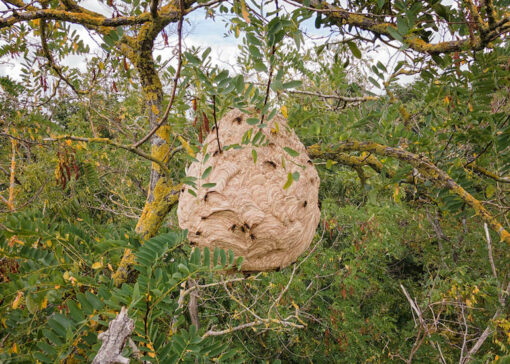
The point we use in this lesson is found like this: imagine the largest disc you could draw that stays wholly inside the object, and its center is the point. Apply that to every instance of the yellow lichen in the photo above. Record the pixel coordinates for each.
(164, 132)
(164, 197)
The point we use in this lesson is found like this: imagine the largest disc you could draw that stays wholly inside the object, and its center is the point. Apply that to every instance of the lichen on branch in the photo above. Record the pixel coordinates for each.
(426, 168)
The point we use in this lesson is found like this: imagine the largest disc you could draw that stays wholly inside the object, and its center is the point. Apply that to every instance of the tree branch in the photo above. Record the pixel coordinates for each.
(114, 144)
(114, 340)
(370, 22)
(335, 97)
(426, 168)
(51, 60)
(487, 173)
(176, 79)
(74, 17)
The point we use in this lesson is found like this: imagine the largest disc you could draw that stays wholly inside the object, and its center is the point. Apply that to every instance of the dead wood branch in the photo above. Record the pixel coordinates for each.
(114, 340)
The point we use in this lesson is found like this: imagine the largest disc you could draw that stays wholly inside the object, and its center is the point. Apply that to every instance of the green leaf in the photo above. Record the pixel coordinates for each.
(295, 176)
(207, 256)
(292, 84)
(254, 52)
(230, 257)
(52, 337)
(207, 172)
(75, 312)
(260, 66)
(46, 348)
(216, 255)
(32, 306)
(402, 26)
(394, 33)
(94, 301)
(179, 343)
(254, 156)
(183, 269)
(276, 85)
(196, 256)
(223, 257)
(489, 191)
(191, 192)
(209, 185)
(381, 66)
(257, 137)
(374, 82)
(239, 263)
(192, 58)
(85, 304)
(354, 49)
(291, 151)
(247, 136)
(253, 39)
(136, 294)
(252, 121)
(205, 53)
(63, 321)
(289, 181)
(206, 158)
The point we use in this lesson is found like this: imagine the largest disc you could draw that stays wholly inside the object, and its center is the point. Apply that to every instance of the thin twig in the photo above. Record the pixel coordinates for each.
(489, 248)
(271, 69)
(216, 124)
(422, 322)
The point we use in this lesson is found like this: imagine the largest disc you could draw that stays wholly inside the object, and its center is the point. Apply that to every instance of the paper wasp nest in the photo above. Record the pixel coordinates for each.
(248, 210)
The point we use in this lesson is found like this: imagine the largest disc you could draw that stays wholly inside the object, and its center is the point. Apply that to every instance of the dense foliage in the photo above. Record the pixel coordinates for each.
(406, 265)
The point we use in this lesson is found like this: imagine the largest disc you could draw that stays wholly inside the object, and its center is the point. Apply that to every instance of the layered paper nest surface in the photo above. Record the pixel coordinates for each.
(248, 210)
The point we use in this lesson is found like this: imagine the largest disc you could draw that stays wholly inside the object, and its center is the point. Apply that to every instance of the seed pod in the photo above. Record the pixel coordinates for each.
(206, 122)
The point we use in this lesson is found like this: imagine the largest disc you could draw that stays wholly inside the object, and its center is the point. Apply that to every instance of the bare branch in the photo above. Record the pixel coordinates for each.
(423, 325)
(232, 329)
(489, 248)
(114, 340)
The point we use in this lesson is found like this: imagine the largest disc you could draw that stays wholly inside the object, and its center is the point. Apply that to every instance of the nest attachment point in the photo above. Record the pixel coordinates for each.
(248, 210)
